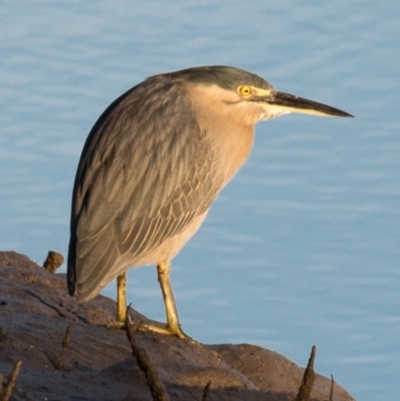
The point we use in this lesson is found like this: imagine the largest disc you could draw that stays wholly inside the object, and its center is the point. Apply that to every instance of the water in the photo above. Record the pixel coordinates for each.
(302, 247)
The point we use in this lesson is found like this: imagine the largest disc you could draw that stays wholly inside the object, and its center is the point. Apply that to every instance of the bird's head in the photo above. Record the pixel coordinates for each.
(222, 86)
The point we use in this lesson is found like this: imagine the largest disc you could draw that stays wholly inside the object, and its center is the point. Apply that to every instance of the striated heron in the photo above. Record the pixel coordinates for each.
(153, 164)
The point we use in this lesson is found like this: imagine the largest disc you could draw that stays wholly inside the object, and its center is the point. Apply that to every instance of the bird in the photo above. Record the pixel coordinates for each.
(153, 164)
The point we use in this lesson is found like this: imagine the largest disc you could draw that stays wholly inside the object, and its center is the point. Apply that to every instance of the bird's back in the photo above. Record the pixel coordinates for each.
(146, 174)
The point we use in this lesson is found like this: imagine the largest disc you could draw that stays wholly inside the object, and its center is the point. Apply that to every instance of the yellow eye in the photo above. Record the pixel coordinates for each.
(245, 90)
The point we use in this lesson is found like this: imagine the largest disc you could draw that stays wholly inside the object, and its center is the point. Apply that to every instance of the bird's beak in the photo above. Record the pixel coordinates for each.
(287, 103)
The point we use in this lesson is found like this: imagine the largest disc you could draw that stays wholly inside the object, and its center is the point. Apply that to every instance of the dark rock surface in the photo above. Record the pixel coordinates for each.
(35, 310)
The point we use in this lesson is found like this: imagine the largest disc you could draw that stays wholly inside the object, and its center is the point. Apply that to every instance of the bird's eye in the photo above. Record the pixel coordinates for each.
(245, 90)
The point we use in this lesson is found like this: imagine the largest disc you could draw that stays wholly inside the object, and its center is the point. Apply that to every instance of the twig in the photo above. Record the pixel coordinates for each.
(53, 261)
(157, 388)
(12, 378)
(206, 391)
(332, 386)
(65, 343)
(308, 379)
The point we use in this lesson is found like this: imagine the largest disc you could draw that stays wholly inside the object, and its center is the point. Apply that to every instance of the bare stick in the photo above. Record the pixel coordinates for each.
(5, 396)
(157, 388)
(65, 344)
(308, 378)
(332, 386)
(206, 391)
(53, 261)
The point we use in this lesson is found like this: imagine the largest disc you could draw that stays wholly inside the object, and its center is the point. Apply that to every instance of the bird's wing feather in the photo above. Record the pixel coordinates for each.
(146, 172)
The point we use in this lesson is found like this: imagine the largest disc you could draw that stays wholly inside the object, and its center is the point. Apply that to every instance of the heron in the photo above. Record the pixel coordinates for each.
(153, 164)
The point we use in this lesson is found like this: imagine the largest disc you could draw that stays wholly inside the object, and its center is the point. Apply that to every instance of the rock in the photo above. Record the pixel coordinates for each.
(35, 310)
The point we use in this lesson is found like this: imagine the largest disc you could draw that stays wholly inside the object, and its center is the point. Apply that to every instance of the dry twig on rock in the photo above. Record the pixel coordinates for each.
(206, 391)
(332, 386)
(65, 343)
(12, 378)
(157, 388)
(308, 378)
(53, 261)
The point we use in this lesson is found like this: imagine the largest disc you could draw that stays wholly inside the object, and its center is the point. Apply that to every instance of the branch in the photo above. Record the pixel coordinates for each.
(6, 394)
(206, 391)
(157, 388)
(65, 343)
(308, 378)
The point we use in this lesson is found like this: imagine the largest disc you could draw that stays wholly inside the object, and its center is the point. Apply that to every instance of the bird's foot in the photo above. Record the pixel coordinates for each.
(124, 321)
(116, 324)
(148, 327)
(165, 330)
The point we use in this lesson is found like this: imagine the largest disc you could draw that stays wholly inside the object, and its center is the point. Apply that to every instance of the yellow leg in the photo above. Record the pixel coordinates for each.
(173, 325)
(121, 298)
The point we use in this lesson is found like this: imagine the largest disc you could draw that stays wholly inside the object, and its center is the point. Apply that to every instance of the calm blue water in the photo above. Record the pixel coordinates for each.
(302, 247)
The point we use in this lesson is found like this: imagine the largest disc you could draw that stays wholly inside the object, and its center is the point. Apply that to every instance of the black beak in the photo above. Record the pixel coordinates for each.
(295, 104)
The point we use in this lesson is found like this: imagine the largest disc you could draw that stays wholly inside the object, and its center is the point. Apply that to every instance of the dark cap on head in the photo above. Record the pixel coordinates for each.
(224, 76)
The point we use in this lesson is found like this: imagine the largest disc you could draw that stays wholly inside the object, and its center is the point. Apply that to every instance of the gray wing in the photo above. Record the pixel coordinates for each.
(145, 173)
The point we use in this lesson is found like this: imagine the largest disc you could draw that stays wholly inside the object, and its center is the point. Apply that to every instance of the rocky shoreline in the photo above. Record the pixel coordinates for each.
(96, 363)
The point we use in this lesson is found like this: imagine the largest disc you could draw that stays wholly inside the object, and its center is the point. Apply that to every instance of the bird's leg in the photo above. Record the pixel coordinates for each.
(121, 298)
(173, 326)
